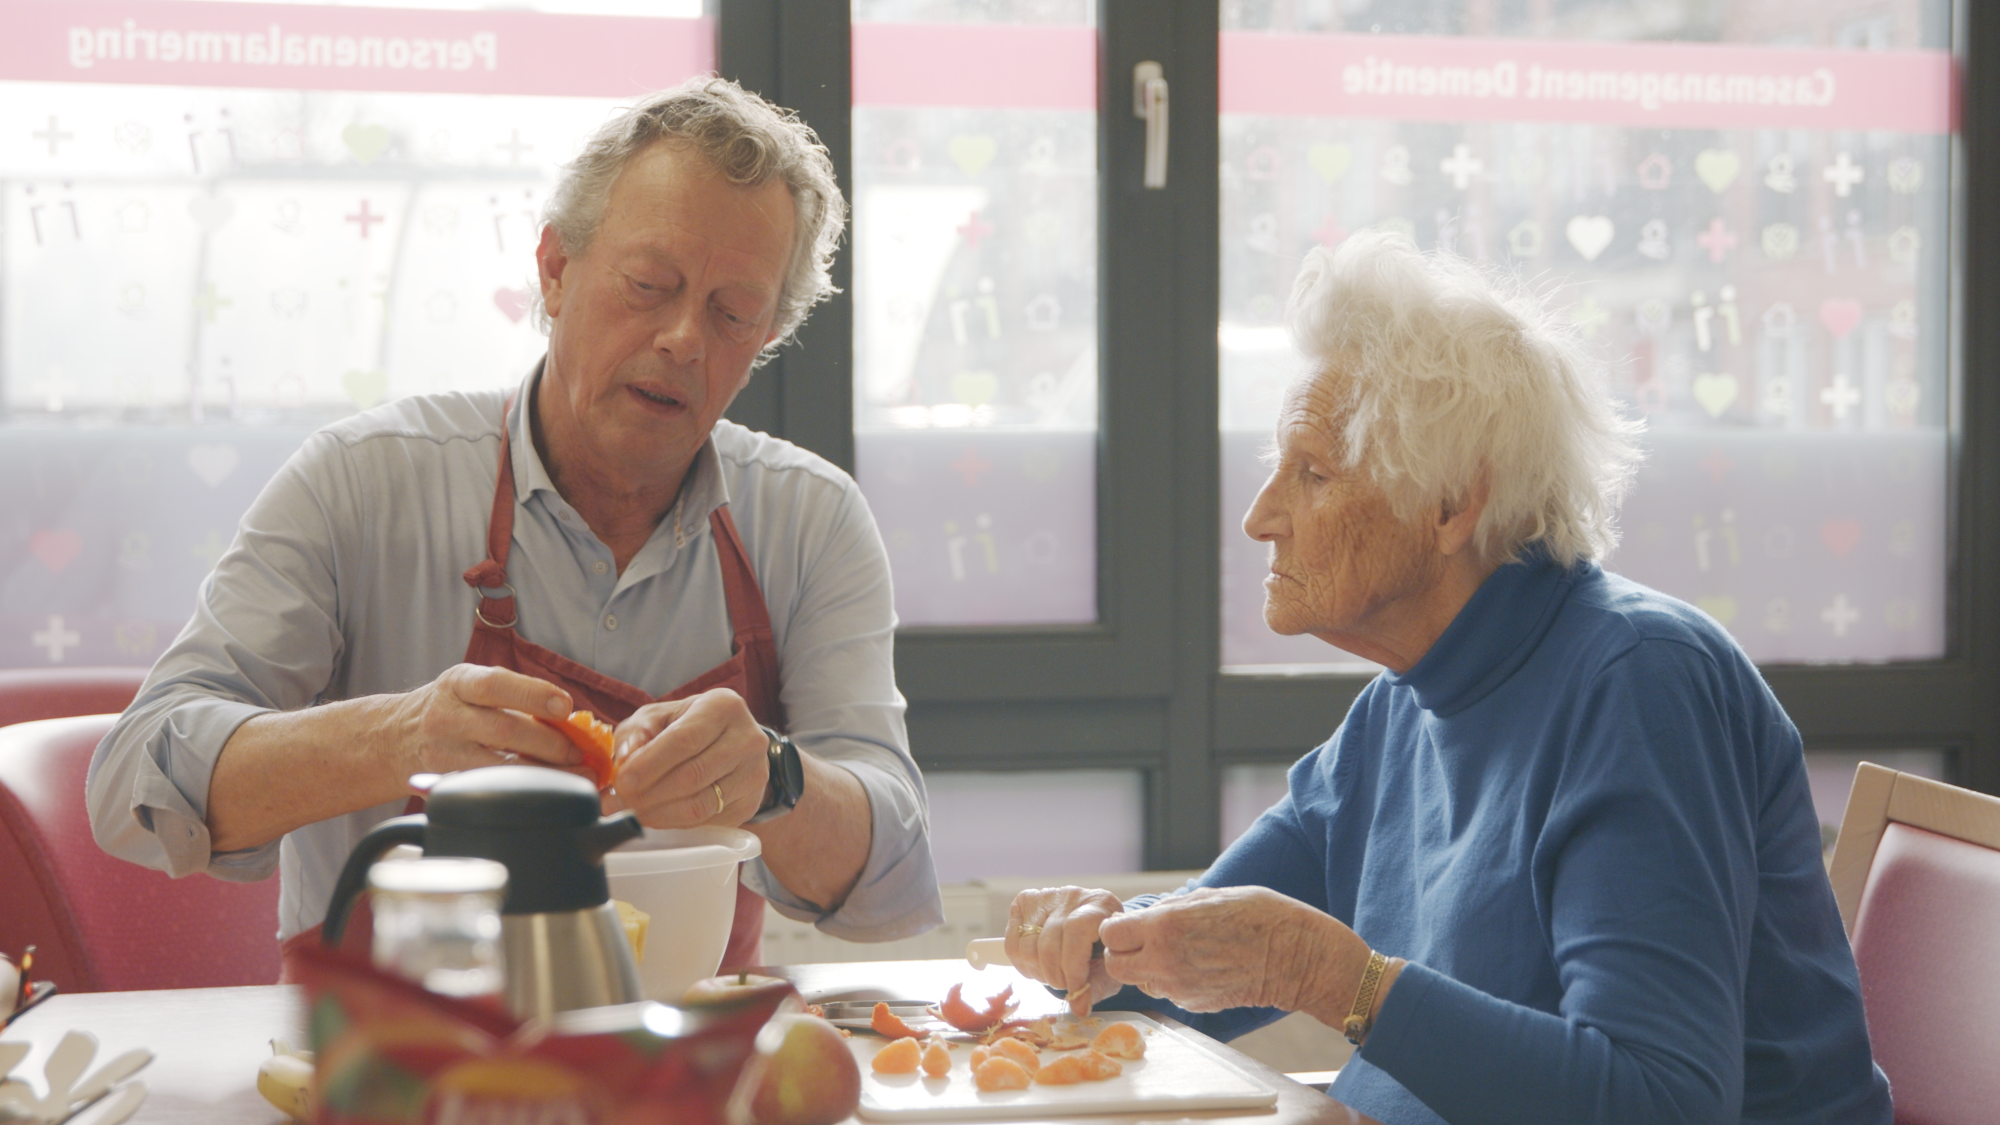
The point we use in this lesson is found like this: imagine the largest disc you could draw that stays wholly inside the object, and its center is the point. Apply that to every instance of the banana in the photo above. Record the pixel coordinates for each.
(285, 1079)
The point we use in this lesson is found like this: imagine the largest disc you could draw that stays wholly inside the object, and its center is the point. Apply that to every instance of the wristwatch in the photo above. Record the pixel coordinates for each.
(788, 778)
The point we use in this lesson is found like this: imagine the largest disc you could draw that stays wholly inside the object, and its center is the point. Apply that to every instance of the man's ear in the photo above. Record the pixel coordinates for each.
(550, 262)
(1457, 524)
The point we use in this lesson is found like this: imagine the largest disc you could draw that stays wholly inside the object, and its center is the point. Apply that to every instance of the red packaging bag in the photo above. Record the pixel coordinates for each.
(389, 1053)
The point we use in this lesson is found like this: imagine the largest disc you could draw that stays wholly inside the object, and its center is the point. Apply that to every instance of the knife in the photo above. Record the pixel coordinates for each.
(981, 952)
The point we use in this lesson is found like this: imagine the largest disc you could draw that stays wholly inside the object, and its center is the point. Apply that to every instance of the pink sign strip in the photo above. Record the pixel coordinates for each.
(302, 47)
(1670, 85)
(981, 66)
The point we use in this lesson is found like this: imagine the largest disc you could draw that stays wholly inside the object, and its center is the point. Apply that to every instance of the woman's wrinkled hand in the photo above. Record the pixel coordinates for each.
(1235, 947)
(1051, 933)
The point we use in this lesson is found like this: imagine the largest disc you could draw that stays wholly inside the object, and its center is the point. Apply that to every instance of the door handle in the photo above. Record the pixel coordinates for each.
(1149, 103)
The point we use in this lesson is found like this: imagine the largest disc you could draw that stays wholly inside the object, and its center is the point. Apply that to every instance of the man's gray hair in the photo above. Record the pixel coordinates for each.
(745, 138)
(1451, 374)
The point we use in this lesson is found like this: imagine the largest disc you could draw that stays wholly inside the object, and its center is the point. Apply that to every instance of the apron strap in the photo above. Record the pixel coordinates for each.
(750, 617)
(490, 573)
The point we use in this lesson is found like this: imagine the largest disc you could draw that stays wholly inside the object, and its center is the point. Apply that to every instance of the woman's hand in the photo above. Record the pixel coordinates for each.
(1050, 935)
(1236, 947)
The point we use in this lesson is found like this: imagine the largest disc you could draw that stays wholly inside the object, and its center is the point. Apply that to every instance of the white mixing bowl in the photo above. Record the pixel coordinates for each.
(685, 879)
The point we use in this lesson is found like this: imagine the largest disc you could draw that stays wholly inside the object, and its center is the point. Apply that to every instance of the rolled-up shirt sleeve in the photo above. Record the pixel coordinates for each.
(837, 665)
(264, 637)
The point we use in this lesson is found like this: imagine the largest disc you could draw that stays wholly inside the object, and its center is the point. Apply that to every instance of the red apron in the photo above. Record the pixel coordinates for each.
(751, 672)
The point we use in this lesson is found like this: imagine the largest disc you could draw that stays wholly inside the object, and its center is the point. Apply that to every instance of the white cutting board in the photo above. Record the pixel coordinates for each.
(1175, 1074)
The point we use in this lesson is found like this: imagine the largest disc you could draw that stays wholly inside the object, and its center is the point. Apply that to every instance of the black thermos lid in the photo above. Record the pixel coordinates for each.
(542, 823)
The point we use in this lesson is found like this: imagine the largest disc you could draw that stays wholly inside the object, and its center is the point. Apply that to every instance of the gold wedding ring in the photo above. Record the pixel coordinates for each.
(720, 804)
(1028, 930)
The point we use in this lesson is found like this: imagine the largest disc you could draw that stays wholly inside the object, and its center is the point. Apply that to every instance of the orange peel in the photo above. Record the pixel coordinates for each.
(592, 738)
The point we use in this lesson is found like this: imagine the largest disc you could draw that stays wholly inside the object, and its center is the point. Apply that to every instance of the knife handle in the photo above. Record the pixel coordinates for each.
(981, 952)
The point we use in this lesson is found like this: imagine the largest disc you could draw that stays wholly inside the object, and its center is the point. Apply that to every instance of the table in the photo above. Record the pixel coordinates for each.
(209, 1041)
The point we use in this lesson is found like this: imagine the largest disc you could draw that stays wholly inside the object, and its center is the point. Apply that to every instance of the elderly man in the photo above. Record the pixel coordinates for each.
(1560, 862)
(422, 580)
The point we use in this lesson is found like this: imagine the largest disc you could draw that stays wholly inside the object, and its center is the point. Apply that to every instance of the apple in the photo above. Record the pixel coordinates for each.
(810, 1077)
(732, 988)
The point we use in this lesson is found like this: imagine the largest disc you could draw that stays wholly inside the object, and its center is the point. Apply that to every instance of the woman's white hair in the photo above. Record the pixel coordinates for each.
(1450, 373)
(745, 138)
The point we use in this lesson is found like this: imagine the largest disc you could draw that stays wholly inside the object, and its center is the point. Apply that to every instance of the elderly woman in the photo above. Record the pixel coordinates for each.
(1560, 862)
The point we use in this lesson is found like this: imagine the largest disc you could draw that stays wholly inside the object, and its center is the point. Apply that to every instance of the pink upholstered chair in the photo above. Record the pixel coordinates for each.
(1916, 871)
(27, 694)
(99, 923)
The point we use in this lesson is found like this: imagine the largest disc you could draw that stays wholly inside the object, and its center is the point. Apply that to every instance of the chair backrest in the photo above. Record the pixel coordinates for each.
(27, 694)
(1916, 872)
(99, 923)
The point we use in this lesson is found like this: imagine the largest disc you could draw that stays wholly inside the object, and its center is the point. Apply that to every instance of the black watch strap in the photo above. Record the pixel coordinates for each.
(788, 778)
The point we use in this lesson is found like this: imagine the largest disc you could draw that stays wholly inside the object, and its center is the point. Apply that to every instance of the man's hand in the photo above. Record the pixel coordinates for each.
(1061, 925)
(1235, 947)
(473, 715)
(674, 758)
(283, 770)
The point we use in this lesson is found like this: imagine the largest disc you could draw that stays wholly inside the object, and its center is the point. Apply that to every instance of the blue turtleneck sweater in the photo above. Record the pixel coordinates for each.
(1584, 820)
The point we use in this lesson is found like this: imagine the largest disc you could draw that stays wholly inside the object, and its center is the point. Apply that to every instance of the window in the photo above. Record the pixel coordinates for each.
(229, 223)
(975, 278)
(1753, 238)
(1127, 672)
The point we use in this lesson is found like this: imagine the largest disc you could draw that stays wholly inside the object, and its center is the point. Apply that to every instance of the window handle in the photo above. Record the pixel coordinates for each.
(1149, 102)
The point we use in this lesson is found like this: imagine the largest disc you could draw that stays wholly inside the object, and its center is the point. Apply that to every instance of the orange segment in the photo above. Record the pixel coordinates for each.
(592, 737)
(1120, 1041)
(1029, 1058)
(999, 1074)
(899, 1057)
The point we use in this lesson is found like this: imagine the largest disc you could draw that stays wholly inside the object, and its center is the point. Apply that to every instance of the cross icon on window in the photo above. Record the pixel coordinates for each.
(514, 147)
(975, 228)
(1842, 396)
(1840, 615)
(210, 302)
(1461, 166)
(54, 136)
(1843, 174)
(1587, 316)
(1717, 240)
(971, 466)
(56, 639)
(1717, 465)
(364, 218)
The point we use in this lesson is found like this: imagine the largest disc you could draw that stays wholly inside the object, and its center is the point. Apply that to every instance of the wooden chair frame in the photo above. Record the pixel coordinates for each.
(1882, 795)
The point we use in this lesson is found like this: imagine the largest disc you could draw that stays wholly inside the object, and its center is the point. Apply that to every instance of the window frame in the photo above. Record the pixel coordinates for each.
(1143, 689)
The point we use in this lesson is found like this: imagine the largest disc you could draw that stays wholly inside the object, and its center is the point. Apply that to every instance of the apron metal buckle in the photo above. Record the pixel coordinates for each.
(478, 610)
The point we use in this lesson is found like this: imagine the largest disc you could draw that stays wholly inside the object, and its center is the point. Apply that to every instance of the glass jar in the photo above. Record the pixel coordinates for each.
(437, 923)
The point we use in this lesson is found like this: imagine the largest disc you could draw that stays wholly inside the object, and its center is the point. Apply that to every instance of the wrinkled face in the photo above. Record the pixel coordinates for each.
(1342, 564)
(655, 324)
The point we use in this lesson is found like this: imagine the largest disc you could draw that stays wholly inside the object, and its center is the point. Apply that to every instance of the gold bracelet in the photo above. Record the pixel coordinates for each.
(1358, 1023)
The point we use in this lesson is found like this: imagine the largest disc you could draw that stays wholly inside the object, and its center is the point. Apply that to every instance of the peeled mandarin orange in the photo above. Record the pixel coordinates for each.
(592, 738)
(899, 1057)
(998, 1073)
(1029, 1058)
(1120, 1041)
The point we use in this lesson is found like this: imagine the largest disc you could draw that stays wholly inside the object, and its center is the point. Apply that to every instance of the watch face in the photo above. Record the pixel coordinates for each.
(793, 773)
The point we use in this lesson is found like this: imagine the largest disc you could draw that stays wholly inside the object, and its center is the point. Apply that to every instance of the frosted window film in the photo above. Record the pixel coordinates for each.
(975, 297)
(223, 224)
(1745, 211)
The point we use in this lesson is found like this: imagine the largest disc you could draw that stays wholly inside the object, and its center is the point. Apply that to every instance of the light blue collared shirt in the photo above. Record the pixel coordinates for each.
(344, 581)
